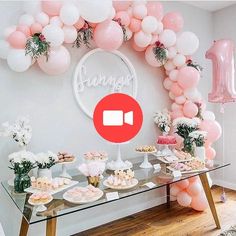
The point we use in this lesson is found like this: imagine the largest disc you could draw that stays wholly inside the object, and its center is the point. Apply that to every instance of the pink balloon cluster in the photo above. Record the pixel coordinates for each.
(189, 193)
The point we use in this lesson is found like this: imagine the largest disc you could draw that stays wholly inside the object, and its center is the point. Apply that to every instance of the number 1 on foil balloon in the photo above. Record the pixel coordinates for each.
(221, 54)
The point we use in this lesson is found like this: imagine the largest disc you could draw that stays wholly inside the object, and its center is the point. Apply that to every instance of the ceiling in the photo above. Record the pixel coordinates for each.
(211, 5)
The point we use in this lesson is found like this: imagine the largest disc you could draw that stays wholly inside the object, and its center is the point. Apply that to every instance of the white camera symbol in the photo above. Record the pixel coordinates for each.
(117, 118)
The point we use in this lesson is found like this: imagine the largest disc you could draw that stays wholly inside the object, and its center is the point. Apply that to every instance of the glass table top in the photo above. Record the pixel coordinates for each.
(59, 207)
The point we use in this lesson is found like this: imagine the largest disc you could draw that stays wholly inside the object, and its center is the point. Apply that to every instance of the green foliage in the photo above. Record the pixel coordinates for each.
(84, 35)
(160, 54)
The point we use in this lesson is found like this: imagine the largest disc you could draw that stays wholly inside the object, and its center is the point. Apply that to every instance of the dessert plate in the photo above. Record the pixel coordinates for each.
(106, 184)
(40, 206)
(187, 171)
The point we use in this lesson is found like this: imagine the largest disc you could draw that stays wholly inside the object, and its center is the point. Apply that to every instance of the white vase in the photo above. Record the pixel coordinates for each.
(45, 173)
(200, 153)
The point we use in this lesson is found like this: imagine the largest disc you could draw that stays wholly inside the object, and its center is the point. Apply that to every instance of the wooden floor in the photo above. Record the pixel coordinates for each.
(176, 221)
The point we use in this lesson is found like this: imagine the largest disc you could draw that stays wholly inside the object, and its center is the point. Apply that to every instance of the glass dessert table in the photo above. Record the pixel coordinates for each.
(59, 207)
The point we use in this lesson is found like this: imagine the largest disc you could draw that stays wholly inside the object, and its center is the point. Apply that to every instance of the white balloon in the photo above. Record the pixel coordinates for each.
(4, 49)
(31, 7)
(208, 115)
(54, 35)
(172, 52)
(69, 14)
(18, 61)
(9, 30)
(168, 38)
(139, 2)
(70, 34)
(159, 28)
(142, 39)
(26, 19)
(149, 24)
(173, 75)
(129, 33)
(169, 65)
(42, 18)
(193, 94)
(95, 11)
(179, 60)
(55, 20)
(187, 43)
(139, 11)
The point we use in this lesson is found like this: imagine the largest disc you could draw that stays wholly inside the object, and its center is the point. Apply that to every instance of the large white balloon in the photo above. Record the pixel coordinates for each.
(69, 14)
(142, 39)
(55, 20)
(179, 60)
(187, 43)
(149, 24)
(26, 19)
(168, 38)
(70, 34)
(4, 49)
(172, 51)
(95, 11)
(208, 115)
(54, 35)
(42, 18)
(193, 94)
(31, 7)
(159, 28)
(18, 61)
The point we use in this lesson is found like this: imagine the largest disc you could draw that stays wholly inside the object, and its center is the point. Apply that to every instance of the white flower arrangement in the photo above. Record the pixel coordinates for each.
(198, 137)
(94, 168)
(163, 120)
(22, 161)
(20, 131)
(46, 160)
(183, 121)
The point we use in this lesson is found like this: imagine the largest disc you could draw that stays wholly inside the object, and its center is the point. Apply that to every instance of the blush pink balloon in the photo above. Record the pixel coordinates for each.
(194, 188)
(184, 199)
(176, 106)
(174, 190)
(93, 25)
(183, 184)
(121, 5)
(137, 48)
(108, 35)
(79, 24)
(176, 89)
(193, 179)
(24, 29)
(150, 57)
(58, 61)
(212, 128)
(124, 18)
(199, 202)
(36, 28)
(52, 8)
(221, 54)
(190, 109)
(180, 100)
(155, 9)
(188, 77)
(135, 25)
(176, 114)
(173, 21)
(210, 153)
(167, 83)
(17, 40)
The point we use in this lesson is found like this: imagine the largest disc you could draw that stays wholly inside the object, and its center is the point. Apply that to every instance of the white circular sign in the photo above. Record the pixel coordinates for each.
(100, 73)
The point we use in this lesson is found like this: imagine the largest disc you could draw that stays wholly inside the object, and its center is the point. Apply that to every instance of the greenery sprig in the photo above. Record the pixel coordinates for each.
(37, 46)
(194, 65)
(125, 37)
(160, 52)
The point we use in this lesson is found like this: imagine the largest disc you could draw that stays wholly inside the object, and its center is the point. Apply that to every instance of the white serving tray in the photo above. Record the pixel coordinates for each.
(161, 158)
(189, 171)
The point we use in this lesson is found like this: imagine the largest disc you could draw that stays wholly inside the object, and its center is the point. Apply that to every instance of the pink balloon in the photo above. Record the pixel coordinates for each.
(221, 54)
(121, 5)
(180, 100)
(210, 153)
(93, 25)
(199, 202)
(193, 179)
(176, 106)
(36, 28)
(212, 128)
(155, 9)
(173, 21)
(167, 83)
(176, 89)
(188, 77)
(124, 18)
(183, 184)
(137, 48)
(135, 25)
(194, 188)
(207, 143)
(24, 29)
(79, 24)
(190, 109)
(150, 57)
(184, 199)
(58, 61)
(108, 35)
(17, 40)
(176, 114)
(174, 190)
(52, 8)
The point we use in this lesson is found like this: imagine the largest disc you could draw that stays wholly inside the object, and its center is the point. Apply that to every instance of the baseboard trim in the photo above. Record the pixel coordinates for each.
(225, 184)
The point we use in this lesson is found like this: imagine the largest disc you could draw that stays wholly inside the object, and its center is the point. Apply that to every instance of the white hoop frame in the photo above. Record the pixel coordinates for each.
(78, 70)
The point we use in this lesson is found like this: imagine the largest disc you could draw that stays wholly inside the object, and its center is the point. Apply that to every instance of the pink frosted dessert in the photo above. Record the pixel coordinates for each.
(166, 140)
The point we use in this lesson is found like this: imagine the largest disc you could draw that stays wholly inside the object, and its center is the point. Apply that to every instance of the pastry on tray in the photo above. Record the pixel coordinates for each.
(192, 165)
(96, 156)
(166, 140)
(146, 148)
(40, 198)
(65, 157)
(182, 155)
(170, 158)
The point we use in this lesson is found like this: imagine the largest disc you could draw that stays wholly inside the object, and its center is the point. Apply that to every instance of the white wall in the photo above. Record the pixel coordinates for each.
(58, 124)
(224, 28)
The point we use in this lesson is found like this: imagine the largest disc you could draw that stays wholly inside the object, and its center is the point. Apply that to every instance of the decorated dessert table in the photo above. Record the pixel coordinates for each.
(68, 201)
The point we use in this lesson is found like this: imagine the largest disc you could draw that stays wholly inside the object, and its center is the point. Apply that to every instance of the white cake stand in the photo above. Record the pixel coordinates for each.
(166, 150)
(146, 164)
(119, 164)
(64, 172)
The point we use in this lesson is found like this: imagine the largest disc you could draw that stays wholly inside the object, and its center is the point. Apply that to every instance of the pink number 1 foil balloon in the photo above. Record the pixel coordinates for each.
(221, 54)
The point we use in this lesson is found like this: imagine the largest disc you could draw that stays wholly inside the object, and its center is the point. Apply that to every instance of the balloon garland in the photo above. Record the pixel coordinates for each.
(47, 25)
